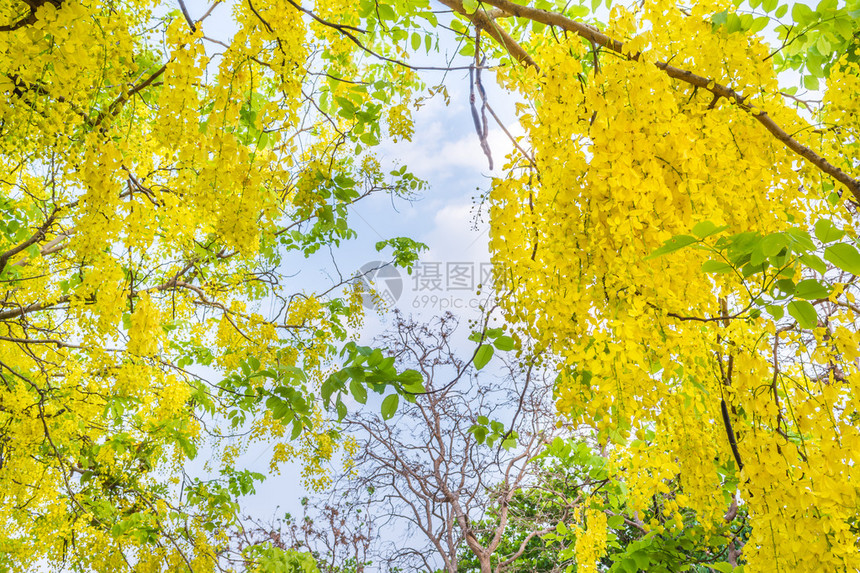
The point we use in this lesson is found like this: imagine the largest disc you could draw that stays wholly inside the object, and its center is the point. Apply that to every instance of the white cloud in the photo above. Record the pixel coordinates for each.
(456, 235)
(435, 156)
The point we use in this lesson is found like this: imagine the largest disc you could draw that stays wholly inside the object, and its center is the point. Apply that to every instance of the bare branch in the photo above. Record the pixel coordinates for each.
(187, 16)
(483, 21)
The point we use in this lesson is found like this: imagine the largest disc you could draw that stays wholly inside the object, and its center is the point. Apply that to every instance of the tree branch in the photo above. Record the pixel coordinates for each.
(187, 16)
(720, 91)
(34, 307)
(483, 21)
(502, 565)
(114, 108)
(31, 17)
(25, 21)
(34, 238)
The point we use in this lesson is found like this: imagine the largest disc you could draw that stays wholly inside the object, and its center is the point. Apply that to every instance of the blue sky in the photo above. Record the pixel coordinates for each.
(447, 154)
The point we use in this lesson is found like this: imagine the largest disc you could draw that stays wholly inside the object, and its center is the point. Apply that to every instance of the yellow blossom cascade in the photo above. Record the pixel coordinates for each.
(666, 361)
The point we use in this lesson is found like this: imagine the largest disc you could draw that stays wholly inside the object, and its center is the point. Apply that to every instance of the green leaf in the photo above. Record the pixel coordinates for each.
(786, 286)
(759, 24)
(387, 365)
(810, 82)
(804, 313)
(412, 381)
(375, 357)
(480, 433)
(814, 262)
(483, 355)
(769, 5)
(844, 256)
(811, 289)
(801, 13)
(733, 23)
(781, 11)
(386, 12)
(775, 311)
(716, 267)
(704, 229)
(815, 65)
(750, 270)
(483, 420)
(615, 521)
(389, 406)
(504, 343)
(642, 559)
(740, 244)
(495, 332)
(672, 245)
(327, 389)
(369, 138)
(800, 240)
(187, 446)
(771, 245)
(722, 567)
(359, 392)
(297, 429)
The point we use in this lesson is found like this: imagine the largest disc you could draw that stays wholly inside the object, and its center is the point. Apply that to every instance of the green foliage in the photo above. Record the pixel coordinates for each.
(812, 38)
(265, 558)
(406, 251)
(366, 368)
(772, 267)
(570, 468)
(489, 340)
(490, 431)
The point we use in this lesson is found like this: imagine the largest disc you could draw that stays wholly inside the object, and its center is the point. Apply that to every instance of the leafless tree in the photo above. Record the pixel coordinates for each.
(431, 484)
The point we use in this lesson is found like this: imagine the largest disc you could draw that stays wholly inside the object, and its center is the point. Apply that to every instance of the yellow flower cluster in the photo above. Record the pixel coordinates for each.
(638, 159)
(400, 124)
(590, 543)
(160, 178)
